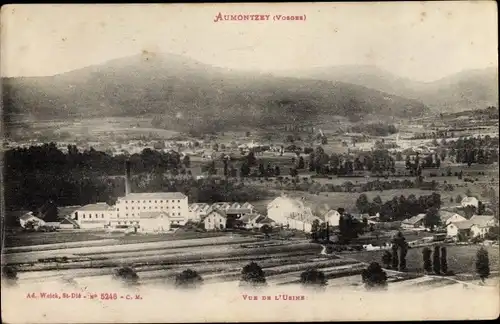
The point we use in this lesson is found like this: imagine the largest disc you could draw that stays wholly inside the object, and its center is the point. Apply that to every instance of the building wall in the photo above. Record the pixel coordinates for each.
(299, 225)
(88, 219)
(159, 224)
(333, 218)
(478, 231)
(40, 222)
(128, 209)
(214, 221)
(451, 230)
(281, 210)
(455, 218)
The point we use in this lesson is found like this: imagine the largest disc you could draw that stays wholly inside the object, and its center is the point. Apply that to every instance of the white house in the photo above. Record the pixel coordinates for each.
(68, 223)
(450, 217)
(173, 204)
(477, 226)
(283, 207)
(215, 220)
(198, 211)
(332, 217)
(29, 217)
(469, 201)
(453, 229)
(416, 221)
(155, 221)
(93, 216)
(250, 220)
(481, 224)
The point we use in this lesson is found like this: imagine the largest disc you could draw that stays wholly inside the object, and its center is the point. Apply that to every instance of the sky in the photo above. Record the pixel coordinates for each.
(419, 40)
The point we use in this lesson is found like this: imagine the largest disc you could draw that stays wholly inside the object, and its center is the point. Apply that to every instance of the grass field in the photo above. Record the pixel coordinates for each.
(461, 258)
(20, 238)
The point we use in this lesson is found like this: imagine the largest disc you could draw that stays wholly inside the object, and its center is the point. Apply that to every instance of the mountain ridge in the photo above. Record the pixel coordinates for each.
(151, 83)
(464, 90)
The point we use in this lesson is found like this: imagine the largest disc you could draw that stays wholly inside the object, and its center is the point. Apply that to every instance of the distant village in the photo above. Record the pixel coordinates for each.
(163, 212)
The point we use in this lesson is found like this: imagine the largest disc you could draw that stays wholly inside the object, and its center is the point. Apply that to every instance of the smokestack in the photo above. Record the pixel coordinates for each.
(127, 177)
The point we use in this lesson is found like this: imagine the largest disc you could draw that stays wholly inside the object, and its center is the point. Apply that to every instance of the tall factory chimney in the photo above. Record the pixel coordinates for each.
(127, 177)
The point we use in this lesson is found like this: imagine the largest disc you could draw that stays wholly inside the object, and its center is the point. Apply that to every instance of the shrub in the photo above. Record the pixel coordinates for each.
(127, 275)
(313, 278)
(444, 262)
(482, 264)
(252, 275)
(387, 259)
(426, 254)
(9, 275)
(188, 279)
(374, 277)
(436, 261)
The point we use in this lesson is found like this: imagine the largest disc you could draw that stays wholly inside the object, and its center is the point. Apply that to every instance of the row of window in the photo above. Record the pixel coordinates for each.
(96, 216)
(156, 207)
(150, 201)
(137, 223)
(168, 214)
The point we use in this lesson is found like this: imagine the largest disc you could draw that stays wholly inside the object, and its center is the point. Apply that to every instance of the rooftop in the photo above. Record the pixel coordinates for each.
(463, 224)
(482, 220)
(415, 219)
(153, 195)
(152, 214)
(94, 207)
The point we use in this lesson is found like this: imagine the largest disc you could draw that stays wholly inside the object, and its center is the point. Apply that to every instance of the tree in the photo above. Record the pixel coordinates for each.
(127, 276)
(436, 261)
(188, 279)
(399, 248)
(313, 278)
(9, 275)
(387, 259)
(482, 264)
(458, 199)
(186, 161)
(251, 159)
(262, 170)
(301, 163)
(244, 170)
(315, 230)
(293, 172)
(395, 258)
(252, 275)
(374, 277)
(266, 230)
(403, 250)
(444, 261)
(362, 203)
(426, 254)
(431, 218)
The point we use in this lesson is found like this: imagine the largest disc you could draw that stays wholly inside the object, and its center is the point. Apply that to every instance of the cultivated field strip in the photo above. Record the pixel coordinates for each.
(190, 255)
(59, 246)
(103, 246)
(33, 256)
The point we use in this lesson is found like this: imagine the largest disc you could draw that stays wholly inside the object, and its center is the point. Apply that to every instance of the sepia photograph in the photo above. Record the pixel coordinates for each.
(245, 162)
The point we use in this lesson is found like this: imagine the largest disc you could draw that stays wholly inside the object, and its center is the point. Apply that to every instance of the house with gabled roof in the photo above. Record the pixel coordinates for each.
(29, 217)
(215, 220)
(94, 216)
(154, 221)
(198, 210)
(68, 223)
(416, 221)
(332, 217)
(470, 201)
(481, 224)
(477, 226)
(448, 217)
